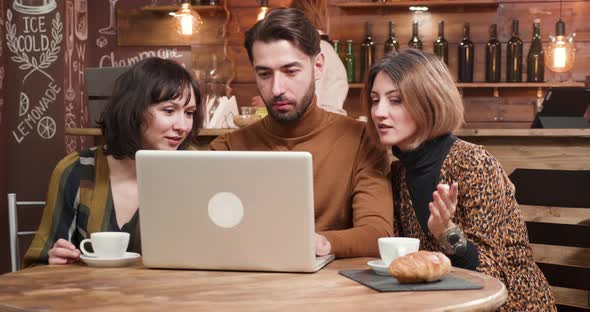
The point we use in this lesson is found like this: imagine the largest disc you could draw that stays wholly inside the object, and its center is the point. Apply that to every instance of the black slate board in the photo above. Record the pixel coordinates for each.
(389, 283)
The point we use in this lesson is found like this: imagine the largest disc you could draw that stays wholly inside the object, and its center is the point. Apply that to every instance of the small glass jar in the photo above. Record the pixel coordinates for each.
(247, 117)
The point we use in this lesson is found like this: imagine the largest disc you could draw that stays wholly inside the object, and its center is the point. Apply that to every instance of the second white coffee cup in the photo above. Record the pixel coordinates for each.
(393, 247)
(106, 244)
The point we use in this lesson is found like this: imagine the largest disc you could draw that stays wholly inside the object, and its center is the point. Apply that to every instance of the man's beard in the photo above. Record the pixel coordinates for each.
(299, 110)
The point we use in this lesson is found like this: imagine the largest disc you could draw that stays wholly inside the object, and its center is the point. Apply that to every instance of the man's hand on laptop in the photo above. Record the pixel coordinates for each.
(322, 245)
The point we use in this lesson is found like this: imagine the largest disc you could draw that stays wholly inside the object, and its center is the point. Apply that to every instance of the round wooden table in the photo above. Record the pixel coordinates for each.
(80, 288)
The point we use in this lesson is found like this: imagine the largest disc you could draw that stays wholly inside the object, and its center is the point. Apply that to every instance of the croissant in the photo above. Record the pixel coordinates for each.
(420, 266)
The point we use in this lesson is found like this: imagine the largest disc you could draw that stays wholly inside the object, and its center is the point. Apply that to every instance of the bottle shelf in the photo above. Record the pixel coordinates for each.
(519, 84)
(406, 4)
(459, 132)
(504, 85)
(573, 84)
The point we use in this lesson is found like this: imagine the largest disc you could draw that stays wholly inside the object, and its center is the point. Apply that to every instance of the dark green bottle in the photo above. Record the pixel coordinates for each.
(493, 56)
(367, 53)
(535, 63)
(514, 56)
(415, 40)
(391, 44)
(466, 53)
(350, 63)
(336, 45)
(441, 46)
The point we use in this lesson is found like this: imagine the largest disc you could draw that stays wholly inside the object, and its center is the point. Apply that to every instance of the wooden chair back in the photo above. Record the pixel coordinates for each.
(567, 189)
(99, 85)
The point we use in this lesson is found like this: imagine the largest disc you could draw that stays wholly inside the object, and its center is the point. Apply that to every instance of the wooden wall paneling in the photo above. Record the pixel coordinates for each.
(139, 27)
(244, 92)
(350, 24)
(567, 153)
(244, 73)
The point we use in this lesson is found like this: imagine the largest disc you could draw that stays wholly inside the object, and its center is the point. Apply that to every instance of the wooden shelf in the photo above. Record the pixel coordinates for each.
(83, 131)
(174, 8)
(406, 4)
(501, 85)
(519, 84)
(214, 132)
(460, 132)
(561, 133)
(98, 132)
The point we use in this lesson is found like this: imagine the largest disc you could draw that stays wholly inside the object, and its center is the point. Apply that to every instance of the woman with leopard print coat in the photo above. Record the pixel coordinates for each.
(452, 195)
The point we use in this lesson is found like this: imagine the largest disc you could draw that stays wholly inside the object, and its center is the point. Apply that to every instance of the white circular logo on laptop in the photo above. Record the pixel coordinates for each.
(226, 209)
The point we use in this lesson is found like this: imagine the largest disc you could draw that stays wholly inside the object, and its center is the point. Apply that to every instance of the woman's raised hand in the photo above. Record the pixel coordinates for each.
(442, 208)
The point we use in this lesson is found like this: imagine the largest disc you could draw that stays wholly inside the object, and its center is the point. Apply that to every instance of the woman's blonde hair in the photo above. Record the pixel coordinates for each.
(315, 10)
(428, 91)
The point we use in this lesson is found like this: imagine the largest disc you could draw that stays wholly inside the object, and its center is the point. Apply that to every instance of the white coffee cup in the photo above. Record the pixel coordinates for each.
(106, 244)
(393, 247)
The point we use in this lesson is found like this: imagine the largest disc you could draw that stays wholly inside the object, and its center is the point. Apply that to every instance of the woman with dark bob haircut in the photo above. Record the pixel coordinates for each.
(156, 104)
(452, 195)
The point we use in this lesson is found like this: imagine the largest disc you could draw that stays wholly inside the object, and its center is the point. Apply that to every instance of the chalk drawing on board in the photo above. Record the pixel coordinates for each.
(31, 63)
(81, 18)
(110, 30)
(46, 127)
(23, 104)
(70, 94)
(34, 7)
(102, 42)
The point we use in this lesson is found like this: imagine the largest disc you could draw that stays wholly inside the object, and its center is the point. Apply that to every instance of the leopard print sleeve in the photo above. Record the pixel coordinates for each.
(491, 219)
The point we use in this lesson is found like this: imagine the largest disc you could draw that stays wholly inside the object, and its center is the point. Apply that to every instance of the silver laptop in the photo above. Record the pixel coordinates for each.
(211, 210)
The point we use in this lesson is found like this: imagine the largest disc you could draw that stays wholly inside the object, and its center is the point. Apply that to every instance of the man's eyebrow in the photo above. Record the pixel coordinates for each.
(260, 67)
(288, 65)
(292, 64)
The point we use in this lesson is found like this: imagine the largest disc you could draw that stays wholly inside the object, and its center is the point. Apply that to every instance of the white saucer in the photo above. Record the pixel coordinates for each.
(379, 267)
(126, 260)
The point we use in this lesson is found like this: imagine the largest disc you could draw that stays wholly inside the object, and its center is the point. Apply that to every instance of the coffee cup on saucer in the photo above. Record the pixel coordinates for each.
(393, 247)
(106, 244)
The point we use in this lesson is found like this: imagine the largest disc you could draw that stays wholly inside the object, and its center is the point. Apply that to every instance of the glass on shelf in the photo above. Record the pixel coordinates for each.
(247, 117)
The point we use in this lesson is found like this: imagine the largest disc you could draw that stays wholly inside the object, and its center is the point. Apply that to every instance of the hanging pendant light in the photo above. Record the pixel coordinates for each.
(188, 19)
(262, 10)
(560, 55)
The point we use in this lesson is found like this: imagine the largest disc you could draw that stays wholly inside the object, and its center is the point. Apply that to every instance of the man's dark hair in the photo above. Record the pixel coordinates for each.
(148, 82)
(285, 24)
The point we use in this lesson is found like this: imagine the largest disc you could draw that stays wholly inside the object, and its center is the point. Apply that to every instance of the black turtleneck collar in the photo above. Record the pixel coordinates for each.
(423, 166)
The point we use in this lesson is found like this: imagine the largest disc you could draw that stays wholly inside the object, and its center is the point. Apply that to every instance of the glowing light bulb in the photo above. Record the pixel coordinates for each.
(560, 55)
(262, 10)
(188, 19)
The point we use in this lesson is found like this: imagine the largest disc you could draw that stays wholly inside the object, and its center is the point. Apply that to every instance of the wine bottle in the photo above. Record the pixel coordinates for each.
(391, 44)
(493, 56)
(441, 46)
(367, 53)
(514, 56)
(350, 63)
(336, 45)
(466, 51)
(415, 40)
(535, 63)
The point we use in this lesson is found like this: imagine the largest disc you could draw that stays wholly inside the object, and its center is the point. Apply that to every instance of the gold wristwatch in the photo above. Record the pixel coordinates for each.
(453, 242)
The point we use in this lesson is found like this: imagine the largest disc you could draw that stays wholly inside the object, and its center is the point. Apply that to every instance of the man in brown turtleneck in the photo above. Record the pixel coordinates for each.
(352, 196)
